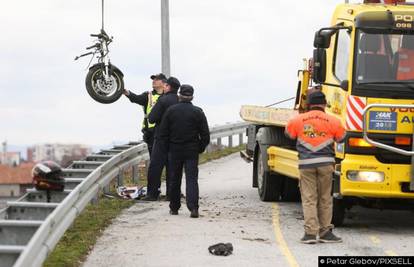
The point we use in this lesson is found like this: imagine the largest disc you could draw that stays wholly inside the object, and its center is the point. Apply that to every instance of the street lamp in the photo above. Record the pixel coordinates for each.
(165, 38)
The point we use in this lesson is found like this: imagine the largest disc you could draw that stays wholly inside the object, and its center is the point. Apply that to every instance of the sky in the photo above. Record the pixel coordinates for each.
(233, 52)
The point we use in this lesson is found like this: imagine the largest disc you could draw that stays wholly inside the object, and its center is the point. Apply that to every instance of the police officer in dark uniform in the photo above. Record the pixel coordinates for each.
(159, 155)
(148, 100)
(184, 132)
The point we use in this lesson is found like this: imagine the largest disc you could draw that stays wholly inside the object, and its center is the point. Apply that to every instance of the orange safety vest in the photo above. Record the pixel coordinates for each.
(315, 132)
(405, 64)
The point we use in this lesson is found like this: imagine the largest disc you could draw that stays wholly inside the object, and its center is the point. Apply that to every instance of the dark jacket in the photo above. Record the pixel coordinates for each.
(184, 130)
(163, 103)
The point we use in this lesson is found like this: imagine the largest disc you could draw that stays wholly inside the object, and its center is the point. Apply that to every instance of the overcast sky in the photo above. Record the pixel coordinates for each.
(233, 52)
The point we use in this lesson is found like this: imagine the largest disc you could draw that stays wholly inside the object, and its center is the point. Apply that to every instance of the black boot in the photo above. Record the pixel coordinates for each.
(194, 213)
(149, 198)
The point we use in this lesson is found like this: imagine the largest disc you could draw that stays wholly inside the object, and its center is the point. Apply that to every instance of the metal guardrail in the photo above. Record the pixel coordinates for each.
(31, 227)
(228, 130)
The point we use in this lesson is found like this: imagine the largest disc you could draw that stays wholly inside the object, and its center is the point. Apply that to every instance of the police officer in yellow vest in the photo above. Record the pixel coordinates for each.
(147, 100)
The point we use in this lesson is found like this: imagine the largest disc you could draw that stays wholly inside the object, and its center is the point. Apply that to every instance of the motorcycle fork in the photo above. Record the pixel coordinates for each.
(106, 62)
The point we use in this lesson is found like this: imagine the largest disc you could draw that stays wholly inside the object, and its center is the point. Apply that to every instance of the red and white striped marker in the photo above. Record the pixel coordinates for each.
(354, 108)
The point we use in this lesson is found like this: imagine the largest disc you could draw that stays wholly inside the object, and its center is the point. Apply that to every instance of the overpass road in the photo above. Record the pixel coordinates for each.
(263, 234)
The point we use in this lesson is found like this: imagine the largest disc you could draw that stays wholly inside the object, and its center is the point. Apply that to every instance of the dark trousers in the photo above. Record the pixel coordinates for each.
(159, 159)
(190, 166)
(148, 137)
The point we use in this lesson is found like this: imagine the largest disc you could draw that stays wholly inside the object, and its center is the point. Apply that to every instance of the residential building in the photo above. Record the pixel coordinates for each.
(14, 180)
(9, 158)
(61, 153)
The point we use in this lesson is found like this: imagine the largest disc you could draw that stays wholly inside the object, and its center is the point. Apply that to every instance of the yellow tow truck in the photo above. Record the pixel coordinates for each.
(364, 63)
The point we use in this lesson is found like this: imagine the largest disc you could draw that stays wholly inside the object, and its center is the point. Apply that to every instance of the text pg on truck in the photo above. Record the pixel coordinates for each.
(364, 64)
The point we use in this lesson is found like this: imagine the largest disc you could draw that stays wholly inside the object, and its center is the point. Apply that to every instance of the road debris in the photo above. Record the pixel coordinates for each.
(221, 249)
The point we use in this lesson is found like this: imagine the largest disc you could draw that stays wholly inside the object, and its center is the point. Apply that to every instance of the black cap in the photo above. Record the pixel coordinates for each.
(317, 98)
(159, 76)
(174, 83)
(186, 90)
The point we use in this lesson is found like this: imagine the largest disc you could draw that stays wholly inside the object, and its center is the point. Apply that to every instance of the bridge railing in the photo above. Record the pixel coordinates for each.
(31, 227)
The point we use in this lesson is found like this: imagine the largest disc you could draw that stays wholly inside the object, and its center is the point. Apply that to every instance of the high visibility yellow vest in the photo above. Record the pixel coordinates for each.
(152, 99)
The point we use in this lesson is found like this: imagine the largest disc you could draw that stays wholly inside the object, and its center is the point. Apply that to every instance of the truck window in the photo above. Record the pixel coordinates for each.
(341, 57)
(373, 59)
(384, 64)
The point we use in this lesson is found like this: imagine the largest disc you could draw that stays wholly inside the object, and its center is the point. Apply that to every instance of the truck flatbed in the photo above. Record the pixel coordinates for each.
(266, 115)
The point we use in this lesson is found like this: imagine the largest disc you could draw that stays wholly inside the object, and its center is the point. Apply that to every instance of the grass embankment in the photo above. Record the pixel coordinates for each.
(80, 238)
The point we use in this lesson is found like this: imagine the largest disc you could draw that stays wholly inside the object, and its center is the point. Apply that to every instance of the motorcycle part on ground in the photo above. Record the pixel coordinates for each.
(221, 249)
(104, 90)
(132, 192)
(47, 175)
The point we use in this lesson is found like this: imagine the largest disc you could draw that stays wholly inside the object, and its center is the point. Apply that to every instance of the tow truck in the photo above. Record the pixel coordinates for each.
(364, 63)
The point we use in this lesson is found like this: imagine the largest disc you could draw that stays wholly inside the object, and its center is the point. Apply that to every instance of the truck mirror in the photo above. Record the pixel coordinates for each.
(344, 85)
(320, 41)
(319, 65)
(323, 37)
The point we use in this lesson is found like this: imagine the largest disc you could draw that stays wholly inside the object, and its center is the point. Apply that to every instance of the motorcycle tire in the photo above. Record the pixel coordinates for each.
(103, 91)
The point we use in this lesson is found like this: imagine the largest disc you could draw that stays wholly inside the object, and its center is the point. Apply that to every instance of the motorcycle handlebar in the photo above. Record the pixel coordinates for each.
(92, 46)
(102, 35)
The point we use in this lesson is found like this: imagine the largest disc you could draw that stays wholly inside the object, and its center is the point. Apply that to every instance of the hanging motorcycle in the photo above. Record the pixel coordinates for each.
(104, 81)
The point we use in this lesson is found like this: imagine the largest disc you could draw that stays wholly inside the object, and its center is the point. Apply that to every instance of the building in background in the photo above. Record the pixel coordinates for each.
(63, 154)
(9, 158)
(14, 180)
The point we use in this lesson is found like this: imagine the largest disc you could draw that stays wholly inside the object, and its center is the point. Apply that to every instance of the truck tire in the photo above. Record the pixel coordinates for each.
(269, 185)
(291, 192)
(338, 212)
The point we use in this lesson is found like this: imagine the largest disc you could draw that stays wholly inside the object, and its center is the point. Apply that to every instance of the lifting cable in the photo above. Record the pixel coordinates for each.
(103, 14)
(282, 101)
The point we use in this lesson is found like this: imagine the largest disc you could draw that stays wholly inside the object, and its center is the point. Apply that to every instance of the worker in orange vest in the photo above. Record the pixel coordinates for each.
(316, 132)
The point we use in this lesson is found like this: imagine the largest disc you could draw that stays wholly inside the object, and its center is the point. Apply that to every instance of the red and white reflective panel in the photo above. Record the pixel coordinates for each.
(354, 108)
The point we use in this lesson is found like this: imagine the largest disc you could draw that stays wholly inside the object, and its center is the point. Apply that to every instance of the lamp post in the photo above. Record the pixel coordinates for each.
(165, 38)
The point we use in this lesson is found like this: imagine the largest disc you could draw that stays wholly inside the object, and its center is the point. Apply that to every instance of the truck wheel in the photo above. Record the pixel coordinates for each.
(291, 192)
(338, 212)
(269, 185)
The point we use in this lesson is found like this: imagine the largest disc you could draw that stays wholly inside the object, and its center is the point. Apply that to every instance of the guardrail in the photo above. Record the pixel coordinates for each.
(31, 227)
(228, 130)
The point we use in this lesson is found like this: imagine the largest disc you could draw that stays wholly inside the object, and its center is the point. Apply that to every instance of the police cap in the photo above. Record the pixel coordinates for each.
(159, 76)
(186, 90)
(174, 83)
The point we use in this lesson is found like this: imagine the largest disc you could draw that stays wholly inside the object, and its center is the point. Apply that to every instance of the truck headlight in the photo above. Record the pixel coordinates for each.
(365, 176)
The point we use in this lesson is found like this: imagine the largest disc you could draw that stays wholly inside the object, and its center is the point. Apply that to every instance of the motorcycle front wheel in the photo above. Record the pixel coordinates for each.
(103, 90)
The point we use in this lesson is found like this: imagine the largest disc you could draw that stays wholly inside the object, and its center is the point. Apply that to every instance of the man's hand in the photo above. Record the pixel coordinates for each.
(126, 92)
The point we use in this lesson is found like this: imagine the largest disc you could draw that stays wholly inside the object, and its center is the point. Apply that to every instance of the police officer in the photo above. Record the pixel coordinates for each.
(159, 155)
(184, 132)
(316, 133)
(147, 100)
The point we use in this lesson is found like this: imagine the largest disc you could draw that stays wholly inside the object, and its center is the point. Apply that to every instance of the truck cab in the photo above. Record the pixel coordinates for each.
(364, 63)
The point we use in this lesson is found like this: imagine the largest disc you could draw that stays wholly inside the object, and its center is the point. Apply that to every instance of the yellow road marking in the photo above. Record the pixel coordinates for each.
(375, 239)
(279, 237)
(390, 253)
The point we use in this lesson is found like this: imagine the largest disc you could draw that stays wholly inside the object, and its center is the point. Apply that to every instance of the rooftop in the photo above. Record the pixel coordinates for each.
(16, 175)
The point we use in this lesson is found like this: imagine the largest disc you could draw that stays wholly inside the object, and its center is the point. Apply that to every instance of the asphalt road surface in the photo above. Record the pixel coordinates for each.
(262, 234)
